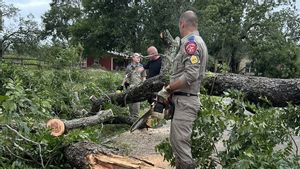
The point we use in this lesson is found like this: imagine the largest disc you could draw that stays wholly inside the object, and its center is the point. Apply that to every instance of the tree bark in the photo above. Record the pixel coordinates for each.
(278, 91)
(139, 93)
(86, 155)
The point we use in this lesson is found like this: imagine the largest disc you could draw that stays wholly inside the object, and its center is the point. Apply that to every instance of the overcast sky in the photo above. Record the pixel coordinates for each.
(39, 7)
(36, 7)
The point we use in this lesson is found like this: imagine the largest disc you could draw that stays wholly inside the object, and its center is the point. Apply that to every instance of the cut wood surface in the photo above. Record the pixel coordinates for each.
(86, 155)
(59, 127)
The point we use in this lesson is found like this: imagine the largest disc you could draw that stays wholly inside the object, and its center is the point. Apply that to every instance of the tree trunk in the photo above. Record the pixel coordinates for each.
(277, 91)
(86, 155)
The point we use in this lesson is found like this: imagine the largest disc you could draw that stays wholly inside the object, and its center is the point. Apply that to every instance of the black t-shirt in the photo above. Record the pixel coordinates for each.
(154, 67)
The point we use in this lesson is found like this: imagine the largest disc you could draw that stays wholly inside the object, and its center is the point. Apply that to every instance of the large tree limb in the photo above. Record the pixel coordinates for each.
(86, 155)
(277, 91)
(136, 94)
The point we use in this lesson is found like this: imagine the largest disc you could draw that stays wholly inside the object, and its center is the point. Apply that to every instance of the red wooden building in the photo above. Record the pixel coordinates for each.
(109, 61)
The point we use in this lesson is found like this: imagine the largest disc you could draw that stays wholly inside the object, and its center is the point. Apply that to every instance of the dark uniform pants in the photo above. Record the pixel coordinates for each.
(186, 110)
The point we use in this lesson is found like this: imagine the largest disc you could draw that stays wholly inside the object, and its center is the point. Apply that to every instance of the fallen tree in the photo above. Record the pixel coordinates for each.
(86, 155)
(278, 91)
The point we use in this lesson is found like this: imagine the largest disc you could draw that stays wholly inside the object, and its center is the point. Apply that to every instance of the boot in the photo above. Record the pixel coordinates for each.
(183, 165)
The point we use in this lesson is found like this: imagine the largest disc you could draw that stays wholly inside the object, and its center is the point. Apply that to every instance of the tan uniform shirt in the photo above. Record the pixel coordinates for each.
(134, 76)
(189, 63)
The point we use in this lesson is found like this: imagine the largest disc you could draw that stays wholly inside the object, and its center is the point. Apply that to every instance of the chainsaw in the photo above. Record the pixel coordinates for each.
(158, 110)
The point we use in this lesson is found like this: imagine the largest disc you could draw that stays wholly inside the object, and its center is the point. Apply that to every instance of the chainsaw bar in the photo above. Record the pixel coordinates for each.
(141, 122)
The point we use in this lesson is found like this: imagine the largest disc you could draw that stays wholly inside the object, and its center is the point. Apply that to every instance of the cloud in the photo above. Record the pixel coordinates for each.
(29, 4)
(35, 7)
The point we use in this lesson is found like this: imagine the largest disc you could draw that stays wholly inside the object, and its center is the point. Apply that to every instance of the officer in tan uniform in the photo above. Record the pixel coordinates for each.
(134, 75)
(187, 72)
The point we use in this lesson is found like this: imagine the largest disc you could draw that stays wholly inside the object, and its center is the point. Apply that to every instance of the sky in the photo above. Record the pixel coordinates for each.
(39, 7)
(35, 7)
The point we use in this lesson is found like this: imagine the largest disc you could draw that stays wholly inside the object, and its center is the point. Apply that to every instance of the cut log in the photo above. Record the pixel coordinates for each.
(59, 127)
(278, 91)
(86, 155)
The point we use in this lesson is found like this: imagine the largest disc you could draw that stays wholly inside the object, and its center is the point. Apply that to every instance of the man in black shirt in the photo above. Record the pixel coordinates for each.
(154, 64)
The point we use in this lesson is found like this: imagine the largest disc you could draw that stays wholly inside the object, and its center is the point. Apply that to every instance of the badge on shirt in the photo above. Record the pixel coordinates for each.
(194, 59)
(190, 48)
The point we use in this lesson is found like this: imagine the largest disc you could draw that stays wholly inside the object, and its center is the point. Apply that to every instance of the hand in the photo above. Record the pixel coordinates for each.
(164, 93)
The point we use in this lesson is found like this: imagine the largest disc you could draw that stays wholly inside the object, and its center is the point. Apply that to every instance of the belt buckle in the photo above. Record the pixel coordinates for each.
(188, 94)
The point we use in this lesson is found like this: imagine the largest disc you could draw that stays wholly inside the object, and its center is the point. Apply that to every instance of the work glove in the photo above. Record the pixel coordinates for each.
(160, 103)
(163, 93)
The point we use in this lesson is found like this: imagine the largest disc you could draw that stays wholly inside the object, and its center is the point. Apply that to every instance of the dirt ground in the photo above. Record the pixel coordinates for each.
(141, 144)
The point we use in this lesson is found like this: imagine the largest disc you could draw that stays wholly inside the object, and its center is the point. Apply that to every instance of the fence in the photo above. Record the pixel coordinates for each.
(25, 61)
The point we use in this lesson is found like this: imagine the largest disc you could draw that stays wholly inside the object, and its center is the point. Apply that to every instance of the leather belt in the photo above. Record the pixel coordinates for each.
(184, 94)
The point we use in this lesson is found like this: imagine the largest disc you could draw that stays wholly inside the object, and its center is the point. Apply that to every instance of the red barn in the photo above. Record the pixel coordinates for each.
(109, 61)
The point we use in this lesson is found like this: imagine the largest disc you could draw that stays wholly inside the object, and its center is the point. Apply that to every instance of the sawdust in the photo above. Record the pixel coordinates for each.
(141, 144)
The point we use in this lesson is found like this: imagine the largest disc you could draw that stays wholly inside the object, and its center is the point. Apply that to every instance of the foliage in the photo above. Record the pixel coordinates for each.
(116, 25)
(232, 30)
(29, 97)
(58, 20)
(60, 56)
(110, 25)
(277, 33)
(258, 30)
(258, 138)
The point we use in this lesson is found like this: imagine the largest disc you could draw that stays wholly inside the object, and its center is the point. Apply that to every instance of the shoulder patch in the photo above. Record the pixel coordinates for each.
(190, 47)
(191, 38)
(194, 59)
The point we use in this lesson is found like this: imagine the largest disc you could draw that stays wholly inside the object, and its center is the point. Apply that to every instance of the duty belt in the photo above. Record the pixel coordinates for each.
(183, 94)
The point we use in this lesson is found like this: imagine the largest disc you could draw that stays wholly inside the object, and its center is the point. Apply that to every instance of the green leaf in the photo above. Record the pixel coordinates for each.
(3, 98)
